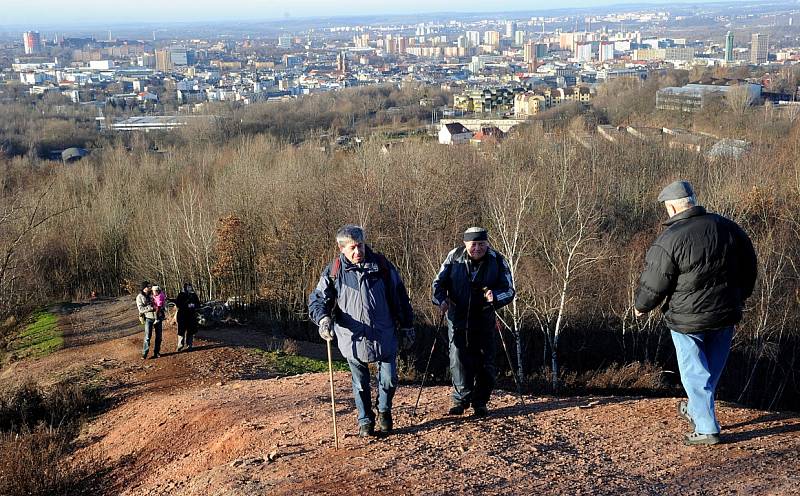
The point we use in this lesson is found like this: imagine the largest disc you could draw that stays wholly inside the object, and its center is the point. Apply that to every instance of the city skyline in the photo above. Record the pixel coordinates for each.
(47, 13)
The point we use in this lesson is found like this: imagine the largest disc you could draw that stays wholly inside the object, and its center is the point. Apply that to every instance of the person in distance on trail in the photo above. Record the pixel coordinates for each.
(144, 303)
(700, 270)
(187, 304)
(473, 282)
(361, 300)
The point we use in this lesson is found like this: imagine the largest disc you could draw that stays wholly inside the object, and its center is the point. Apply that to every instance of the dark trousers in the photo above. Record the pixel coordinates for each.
(472, 362)
(187, 327)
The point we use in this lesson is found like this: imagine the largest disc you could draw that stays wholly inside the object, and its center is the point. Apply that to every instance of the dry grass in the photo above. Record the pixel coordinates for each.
(38, 462)
(37, 427)
(635, 377)
(291, 347)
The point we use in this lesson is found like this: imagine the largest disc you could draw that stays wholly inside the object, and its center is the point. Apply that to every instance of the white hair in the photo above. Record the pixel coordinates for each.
(681, 204)
(349, 233)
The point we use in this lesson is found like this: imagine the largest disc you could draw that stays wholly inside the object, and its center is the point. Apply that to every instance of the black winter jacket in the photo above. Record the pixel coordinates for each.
(702, 267)
(454, 283)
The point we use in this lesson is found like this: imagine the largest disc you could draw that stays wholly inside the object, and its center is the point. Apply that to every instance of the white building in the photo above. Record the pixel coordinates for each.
(454, 134)
(101, 65)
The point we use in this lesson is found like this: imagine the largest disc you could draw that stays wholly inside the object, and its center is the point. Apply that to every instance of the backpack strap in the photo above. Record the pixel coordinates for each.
(336, 266)
(386, 275)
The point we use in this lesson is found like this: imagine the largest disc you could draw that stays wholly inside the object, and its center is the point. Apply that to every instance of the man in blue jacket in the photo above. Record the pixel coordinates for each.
(361, 300)
(700, 271)
(473, 282)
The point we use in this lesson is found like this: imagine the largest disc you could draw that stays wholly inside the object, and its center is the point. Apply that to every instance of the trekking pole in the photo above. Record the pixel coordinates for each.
(422, 384)
(333, 397)
(498, 320)
(510, 365)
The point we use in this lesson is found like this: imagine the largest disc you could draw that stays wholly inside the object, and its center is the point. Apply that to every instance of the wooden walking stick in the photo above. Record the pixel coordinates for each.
(333, 397)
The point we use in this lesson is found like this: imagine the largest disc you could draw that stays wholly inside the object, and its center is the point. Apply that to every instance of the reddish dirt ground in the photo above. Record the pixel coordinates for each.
(217, 421)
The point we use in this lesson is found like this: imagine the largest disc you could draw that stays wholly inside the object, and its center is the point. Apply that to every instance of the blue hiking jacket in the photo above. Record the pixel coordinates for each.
(365, 320)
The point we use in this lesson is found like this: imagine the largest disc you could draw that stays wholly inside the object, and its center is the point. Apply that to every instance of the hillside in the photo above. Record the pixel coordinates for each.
(220, 420)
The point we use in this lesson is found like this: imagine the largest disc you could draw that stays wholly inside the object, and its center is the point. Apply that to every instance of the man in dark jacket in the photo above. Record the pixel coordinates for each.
(472, 283)
(361, 300)
(700, 271)
(187, 304)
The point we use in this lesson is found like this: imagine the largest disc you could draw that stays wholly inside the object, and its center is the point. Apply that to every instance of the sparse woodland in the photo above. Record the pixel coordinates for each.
(246, 206)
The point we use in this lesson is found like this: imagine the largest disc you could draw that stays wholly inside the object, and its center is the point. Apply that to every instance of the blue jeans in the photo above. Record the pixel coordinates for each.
(387, 383)
(701, 359)
(149, 326)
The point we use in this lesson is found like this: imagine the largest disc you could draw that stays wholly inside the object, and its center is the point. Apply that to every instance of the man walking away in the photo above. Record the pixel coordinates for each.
(147, 312)
(473, 282)
(361, 300)
(700, 270)
(187, 304)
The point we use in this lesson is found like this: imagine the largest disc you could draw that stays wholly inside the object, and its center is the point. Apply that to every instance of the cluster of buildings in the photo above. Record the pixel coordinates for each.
(511, 67)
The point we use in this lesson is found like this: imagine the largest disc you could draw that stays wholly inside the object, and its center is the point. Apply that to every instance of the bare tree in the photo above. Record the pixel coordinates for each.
(24, 215)
(739, 98)
(509, 211)
(568, 242)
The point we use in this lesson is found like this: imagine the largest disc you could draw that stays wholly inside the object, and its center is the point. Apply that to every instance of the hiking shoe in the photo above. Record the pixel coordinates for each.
(480, 411)
(156, 355)
(683, 412)
(384, 423)
(697, 439)
(456, 410)
(366, 430)
(144, 357)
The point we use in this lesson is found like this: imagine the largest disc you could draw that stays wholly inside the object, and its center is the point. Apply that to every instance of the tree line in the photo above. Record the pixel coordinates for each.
(252, 215)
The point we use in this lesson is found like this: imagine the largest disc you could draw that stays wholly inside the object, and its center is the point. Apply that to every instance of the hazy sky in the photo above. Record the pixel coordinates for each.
(35, 13)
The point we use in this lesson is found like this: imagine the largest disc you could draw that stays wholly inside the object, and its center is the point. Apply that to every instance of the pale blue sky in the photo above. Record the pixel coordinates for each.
(35, 13)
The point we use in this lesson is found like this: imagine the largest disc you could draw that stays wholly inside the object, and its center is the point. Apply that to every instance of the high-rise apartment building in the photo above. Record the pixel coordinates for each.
(32, 41)
(729, 47)
(529, 52)
(163, 60)
(511, 28)
(759, 48)
(473, 38)
(491, 38)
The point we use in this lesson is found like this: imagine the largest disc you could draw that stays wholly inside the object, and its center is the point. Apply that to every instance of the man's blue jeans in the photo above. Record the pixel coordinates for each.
(149, 326)
(701, 359)
(387, 384)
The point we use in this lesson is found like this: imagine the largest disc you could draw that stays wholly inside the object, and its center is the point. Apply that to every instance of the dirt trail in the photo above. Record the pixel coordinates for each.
(217, 421)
